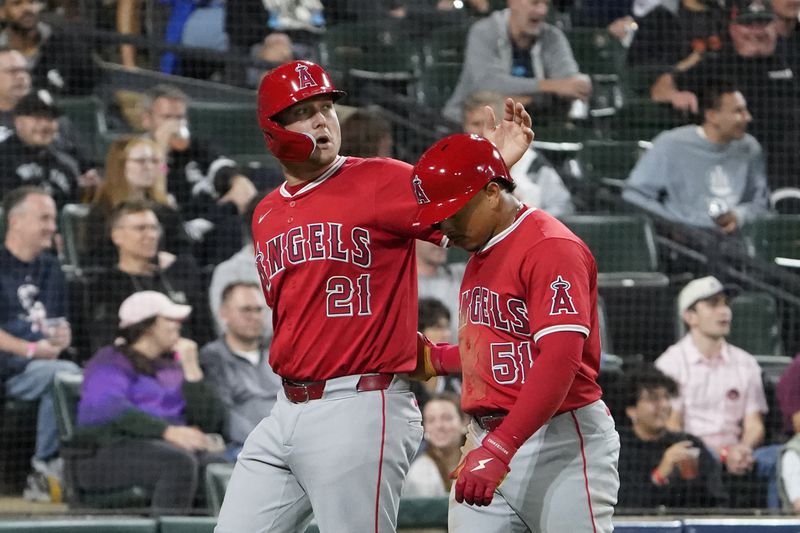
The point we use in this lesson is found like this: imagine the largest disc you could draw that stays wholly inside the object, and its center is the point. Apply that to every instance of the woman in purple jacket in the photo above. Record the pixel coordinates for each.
(145, 406)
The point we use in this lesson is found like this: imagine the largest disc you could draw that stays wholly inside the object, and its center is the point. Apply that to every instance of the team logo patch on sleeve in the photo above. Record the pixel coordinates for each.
(305, 77)
(422, 198)
(562, 300)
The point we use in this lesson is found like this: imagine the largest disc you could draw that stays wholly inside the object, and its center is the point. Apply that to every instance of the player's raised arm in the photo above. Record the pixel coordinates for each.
(513, 135)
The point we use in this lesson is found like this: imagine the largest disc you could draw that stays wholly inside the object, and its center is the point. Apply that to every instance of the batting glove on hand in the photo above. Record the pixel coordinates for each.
(482, 470)
(425, 369)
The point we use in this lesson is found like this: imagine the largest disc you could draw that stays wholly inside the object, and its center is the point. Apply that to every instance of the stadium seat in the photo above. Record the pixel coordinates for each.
(66, 395)
(17, 441)
(624, 247)
(642, 119)
(217, 476)
(774, 236)
(756, 324)
(371, 50)
(186, 524)
(445, 45)
(608, 163)
(73, 229)
(88, 118)
(597, 51)
(436, 84)
(233, 127)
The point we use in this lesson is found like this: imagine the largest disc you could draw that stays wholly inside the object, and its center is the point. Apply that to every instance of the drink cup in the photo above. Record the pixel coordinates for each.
(688, 468)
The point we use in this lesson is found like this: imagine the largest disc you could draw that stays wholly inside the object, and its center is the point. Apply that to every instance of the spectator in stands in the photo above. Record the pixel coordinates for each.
(237, 362)
(658, 467)
(538, 183)
(15, 82)
(753, 61)
(135, 232)
(367, 133)
(134, 171)
(668, 42)
(788, 393)
(722, 398)
(788, 13)
(59, 61)
(146, 406)
(789, 464)
(275, 49)
(445, 427)
(210, 190)
(31, 156)
(241, 267)
(709, 176)
(439, 279)
(33, 328)
(516, 53)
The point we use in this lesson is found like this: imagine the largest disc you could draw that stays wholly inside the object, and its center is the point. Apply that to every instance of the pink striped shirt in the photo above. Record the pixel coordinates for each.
(716, 393)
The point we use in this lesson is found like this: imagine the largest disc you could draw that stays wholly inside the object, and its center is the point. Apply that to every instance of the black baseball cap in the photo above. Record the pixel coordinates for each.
(39, 104)
(750, 11)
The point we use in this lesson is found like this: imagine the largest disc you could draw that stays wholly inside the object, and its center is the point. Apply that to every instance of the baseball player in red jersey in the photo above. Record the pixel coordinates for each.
(542, 451)
(335, 253)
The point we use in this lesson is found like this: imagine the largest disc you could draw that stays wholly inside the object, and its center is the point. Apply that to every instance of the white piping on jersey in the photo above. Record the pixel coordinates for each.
(338, 162)
(503, 234)
(445, 242)
(561, 327)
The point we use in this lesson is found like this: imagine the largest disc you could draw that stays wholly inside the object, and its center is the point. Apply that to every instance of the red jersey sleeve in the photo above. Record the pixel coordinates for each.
(396, 205)
(557, 273)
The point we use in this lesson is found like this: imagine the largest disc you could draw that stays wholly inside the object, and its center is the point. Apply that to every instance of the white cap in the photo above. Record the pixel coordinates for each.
(699, 289)
(142, 305)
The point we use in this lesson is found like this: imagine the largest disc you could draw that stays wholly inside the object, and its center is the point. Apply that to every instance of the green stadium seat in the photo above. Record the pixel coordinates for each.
(756, 324)
(624, 247)
(597, 51)
(422, 513)
(66, 395)
(774, 236)
(642, 119)
(80, 525)
(371, 50)
(232, 127)
(217, 476)
(73, 229)
(187, 524)
(436, 84)
(609, 162)
(88, 118)
(446, 45)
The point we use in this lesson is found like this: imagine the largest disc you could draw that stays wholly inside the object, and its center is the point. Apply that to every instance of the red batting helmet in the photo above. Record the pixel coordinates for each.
(281, 88)
(451, 172)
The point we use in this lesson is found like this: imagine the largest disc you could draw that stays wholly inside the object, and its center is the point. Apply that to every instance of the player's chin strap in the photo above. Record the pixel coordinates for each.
(288, 145)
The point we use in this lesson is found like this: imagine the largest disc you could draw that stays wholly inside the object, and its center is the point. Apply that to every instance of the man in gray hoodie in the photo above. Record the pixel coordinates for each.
(709, 176)
(514, 52)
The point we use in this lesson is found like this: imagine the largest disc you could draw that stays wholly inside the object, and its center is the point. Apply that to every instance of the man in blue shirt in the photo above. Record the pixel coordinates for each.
(33, 330)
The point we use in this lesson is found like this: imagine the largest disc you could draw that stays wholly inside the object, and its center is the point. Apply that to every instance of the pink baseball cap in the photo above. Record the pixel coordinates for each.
(142, 305)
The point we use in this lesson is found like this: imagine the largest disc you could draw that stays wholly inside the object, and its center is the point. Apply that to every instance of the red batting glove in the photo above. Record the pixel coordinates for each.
(482, 470)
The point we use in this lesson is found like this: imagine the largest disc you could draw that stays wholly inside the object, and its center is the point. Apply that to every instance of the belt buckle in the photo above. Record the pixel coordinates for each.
(307, 396)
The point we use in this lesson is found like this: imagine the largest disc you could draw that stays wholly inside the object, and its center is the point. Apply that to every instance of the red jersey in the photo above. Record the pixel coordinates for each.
(338, 268)
(534, 278)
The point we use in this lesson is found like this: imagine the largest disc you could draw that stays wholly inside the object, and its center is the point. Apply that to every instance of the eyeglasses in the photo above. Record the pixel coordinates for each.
(145, 160)
(253, 309)
(141, 228)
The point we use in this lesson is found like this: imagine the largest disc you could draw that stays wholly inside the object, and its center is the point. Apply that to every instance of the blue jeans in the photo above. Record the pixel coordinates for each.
(36, 383)
(766, 462)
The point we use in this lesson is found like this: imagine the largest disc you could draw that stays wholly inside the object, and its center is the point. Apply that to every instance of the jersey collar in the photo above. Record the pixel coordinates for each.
(337, 164)
(527, 211)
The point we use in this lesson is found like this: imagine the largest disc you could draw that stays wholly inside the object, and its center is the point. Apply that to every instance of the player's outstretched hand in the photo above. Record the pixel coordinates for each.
(482, 470)
(513, 135)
